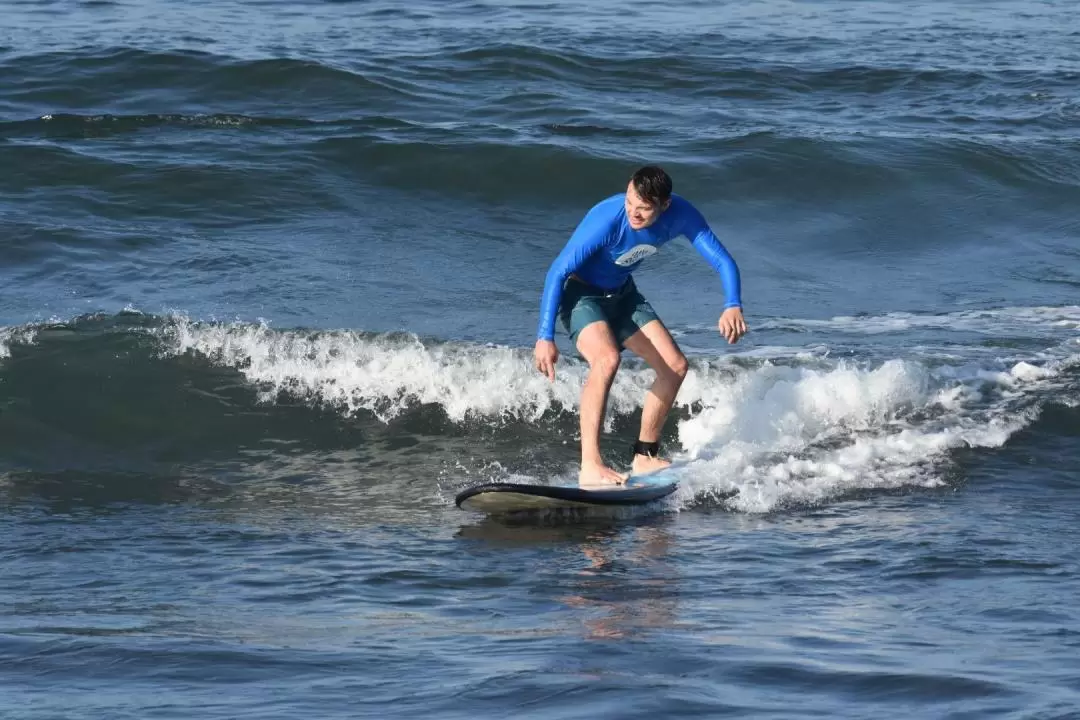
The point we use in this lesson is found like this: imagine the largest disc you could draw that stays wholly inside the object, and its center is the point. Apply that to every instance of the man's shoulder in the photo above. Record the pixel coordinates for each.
(606, 213)
(682, 212)
(609, 205)
(679, 204)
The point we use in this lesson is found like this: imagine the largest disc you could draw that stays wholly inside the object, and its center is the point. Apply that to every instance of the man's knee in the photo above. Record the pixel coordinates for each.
(679, 366)
(606, 361)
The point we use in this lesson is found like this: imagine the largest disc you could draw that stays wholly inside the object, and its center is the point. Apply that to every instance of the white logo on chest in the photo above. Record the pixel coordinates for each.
(638, 252)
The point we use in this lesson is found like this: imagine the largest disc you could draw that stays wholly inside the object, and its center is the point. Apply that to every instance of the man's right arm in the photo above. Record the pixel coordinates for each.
(589, 237)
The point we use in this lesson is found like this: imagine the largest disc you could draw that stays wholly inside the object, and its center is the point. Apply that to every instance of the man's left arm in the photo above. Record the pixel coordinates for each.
(731, 324)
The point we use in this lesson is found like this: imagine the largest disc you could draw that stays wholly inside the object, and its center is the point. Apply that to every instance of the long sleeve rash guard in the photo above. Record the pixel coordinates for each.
(605, 250)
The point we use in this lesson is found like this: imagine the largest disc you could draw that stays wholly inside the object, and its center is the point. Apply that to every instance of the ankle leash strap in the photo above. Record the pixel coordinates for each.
(651, 449)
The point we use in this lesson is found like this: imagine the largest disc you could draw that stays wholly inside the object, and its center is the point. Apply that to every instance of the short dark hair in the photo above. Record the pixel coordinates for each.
(652, 184)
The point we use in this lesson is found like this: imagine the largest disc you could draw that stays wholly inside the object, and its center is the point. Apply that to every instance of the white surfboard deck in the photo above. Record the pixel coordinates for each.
(504, 498)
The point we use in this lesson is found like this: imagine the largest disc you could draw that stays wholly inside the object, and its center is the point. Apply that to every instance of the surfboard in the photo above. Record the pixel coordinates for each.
(508, 498)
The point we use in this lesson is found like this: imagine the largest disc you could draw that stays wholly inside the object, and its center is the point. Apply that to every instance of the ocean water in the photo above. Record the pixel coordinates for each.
(269, 282)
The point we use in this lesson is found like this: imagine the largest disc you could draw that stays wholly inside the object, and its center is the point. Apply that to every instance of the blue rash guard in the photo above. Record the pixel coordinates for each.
(605, 250)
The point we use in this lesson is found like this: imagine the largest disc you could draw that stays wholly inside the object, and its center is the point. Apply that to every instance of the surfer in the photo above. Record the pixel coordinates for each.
(590, 289)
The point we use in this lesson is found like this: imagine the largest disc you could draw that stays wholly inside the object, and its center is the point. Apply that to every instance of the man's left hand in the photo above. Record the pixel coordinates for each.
(732, 326)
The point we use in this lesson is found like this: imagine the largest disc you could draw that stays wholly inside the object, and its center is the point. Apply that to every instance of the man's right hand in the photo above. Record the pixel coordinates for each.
(545, 356)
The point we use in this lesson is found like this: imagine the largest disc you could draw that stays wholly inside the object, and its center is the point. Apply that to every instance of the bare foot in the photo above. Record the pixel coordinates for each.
(645, 464)
(599, 475)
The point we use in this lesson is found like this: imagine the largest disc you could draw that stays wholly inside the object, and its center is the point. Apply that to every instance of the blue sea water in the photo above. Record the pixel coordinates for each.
(269, 280)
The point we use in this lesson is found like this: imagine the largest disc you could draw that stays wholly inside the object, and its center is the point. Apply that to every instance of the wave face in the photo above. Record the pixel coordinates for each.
(786, 427)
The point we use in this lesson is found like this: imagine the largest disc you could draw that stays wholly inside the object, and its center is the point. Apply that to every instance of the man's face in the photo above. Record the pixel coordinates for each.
(641, 213)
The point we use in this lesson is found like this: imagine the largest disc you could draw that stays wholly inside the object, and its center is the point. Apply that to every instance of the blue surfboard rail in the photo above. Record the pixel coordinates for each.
(618, 495)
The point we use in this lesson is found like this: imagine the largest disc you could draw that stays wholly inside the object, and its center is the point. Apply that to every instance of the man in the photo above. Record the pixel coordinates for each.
(590, 288)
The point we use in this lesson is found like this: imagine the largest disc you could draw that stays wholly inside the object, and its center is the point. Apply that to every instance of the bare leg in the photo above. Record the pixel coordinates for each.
(597, 345)
(655, 345)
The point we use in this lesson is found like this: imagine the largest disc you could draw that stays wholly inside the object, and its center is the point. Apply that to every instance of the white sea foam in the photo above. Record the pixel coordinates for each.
(387, 374)
(782, 434)
(20, 335)
(799, 429)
